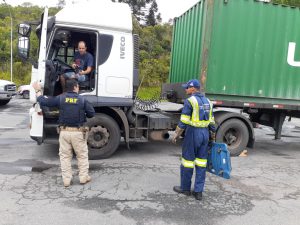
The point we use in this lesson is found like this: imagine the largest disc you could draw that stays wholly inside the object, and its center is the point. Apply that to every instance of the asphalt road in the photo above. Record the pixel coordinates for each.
(135, 186)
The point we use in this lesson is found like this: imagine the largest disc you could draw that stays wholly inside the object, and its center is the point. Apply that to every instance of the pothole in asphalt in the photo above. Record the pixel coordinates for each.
(24, 166)
(166, 206)
(96, 167)
(279, 154)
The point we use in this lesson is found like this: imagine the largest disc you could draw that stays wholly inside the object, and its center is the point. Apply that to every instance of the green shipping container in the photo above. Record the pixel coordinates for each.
(241, 50)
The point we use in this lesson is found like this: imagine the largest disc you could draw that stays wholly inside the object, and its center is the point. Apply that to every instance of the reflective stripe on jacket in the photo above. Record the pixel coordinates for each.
(194, 119)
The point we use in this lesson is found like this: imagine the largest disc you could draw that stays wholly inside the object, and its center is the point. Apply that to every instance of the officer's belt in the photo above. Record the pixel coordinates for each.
(63, 128)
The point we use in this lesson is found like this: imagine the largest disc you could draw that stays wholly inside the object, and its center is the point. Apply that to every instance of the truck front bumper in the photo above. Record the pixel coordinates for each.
(4, 95)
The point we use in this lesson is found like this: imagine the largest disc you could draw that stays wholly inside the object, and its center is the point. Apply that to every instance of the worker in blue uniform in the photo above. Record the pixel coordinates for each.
(197, 121)
(73, 110)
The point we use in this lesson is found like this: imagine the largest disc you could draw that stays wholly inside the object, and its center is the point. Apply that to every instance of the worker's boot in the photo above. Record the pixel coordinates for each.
(85, 179)
(67, 182)
(180, 191)
(198, 195)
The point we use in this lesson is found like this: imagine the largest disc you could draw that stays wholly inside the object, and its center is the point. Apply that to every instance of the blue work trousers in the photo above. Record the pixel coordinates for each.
(194, 146)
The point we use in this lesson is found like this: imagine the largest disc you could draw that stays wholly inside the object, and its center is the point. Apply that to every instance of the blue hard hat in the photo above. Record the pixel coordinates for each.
(191, 83)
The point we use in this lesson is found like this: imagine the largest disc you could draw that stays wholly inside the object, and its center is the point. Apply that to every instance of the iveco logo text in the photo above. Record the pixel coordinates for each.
(122, 48)
(291, 55)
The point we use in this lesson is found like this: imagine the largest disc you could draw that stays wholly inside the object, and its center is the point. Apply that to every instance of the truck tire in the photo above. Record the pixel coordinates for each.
(26, 94)
(235, 134)
(104, 136)
(4, 102)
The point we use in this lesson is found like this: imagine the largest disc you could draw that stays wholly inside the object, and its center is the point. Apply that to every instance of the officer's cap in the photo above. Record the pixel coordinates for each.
(191, 83)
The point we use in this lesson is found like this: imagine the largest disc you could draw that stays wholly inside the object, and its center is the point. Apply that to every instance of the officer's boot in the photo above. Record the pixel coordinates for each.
(180, 191)
(67, 182)
(85, 179)
(199, 182)
(198, 195)
(185, 181)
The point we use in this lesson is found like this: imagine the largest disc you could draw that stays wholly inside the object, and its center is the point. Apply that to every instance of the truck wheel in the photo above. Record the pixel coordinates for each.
(26, 94)
(104, 136)
(235, 134)
(4, 102)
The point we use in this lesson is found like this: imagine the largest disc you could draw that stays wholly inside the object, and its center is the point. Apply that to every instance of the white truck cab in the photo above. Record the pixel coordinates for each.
(106, 28)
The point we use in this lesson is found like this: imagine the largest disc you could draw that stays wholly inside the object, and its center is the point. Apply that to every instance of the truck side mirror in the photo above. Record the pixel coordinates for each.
(23, 47)
(24, 30)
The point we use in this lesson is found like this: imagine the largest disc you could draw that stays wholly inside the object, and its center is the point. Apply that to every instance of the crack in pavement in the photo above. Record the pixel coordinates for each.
(135, 190)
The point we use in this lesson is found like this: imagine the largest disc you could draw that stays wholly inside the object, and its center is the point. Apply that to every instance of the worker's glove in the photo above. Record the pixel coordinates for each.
(177, 134)
(212, 136)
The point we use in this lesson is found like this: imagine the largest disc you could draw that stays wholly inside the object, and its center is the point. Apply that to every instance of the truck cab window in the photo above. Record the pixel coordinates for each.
(105, 44)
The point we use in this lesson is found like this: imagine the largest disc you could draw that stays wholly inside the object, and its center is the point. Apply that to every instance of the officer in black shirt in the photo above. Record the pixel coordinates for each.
(73, 110)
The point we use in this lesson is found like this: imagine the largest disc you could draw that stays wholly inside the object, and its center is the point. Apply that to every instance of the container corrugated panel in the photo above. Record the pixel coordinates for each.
(247, 51)
(187, 33)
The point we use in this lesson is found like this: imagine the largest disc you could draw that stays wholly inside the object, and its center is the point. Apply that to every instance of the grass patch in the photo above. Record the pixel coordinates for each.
(149, 92)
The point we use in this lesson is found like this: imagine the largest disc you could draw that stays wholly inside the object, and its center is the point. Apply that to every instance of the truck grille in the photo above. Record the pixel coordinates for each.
(10, 88)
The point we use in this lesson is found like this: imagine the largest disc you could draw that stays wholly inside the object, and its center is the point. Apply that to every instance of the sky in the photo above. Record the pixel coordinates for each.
(167, 8)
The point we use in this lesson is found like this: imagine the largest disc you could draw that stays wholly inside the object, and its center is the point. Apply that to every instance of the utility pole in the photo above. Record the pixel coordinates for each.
(11, 42)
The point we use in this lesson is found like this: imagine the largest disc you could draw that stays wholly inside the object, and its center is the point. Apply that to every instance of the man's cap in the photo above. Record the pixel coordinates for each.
(191, 83)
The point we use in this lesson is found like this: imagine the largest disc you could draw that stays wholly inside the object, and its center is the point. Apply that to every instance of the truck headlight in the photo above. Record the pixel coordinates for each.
(1, 87)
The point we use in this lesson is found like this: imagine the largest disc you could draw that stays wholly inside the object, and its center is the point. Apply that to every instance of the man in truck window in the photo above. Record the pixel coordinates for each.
(83, 65)
(196, 119)
(73, 110)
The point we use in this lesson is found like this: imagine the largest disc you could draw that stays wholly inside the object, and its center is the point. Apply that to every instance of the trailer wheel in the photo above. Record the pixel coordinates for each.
(235, 134)
(104, 136)
(4, 102)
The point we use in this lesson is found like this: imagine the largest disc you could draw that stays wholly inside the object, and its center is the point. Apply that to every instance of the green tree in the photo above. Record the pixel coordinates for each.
(27, 4)
(155, 46)
(151, 18)
(288, 2)
(20, 14)
(144, 10)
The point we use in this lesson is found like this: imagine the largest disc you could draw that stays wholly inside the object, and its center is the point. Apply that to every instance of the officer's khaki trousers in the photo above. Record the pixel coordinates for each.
(69, 140)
